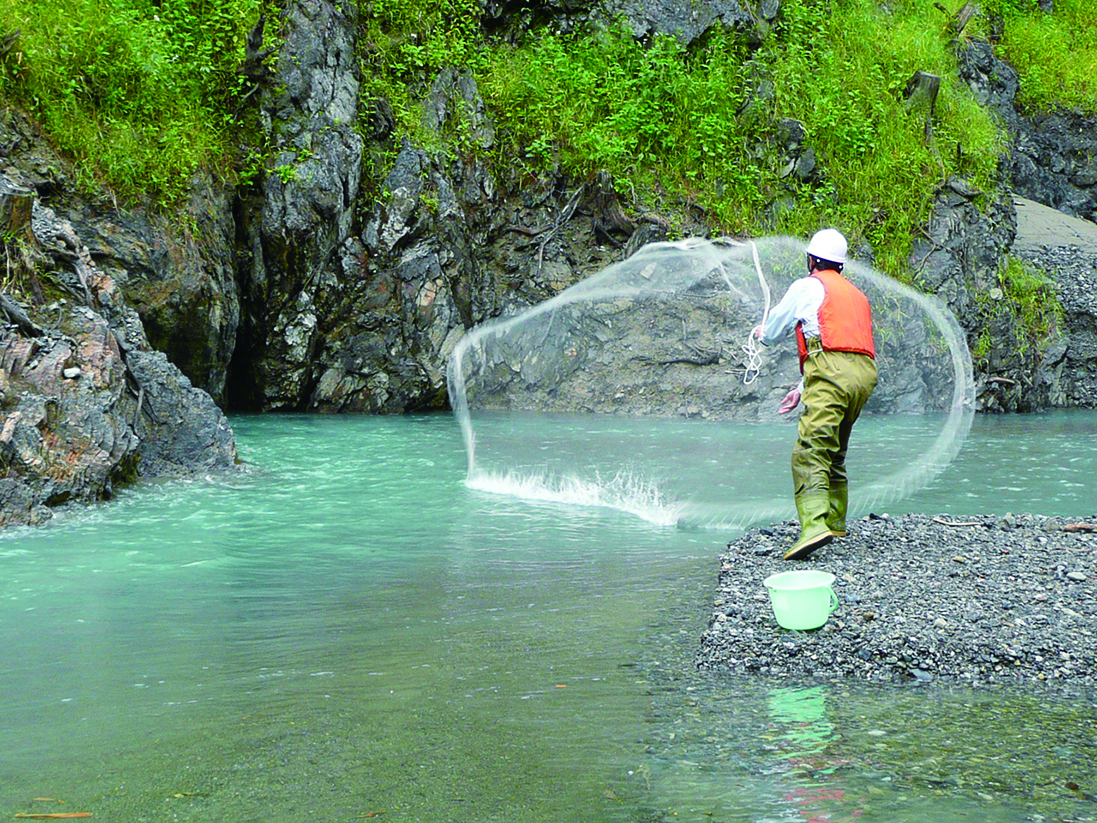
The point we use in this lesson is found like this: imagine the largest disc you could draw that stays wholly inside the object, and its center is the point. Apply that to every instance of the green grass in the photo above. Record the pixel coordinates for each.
(405, 43)
(1055, 54)
(1027, 301)
(1033, 295)
(694, 125)
(140, 93)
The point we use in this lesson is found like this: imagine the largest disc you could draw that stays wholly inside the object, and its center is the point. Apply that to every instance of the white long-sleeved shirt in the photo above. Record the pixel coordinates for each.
(800, 304)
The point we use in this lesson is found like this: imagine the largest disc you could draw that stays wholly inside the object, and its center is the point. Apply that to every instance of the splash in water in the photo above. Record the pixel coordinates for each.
(638, 389)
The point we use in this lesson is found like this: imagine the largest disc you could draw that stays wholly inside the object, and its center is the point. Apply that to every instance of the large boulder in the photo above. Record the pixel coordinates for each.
(85, 402)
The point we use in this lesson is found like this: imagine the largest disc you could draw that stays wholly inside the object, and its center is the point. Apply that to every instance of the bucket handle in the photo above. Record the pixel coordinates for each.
(833, 599)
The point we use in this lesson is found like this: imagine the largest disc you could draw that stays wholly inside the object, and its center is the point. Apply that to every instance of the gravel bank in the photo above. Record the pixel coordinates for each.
(981, 600)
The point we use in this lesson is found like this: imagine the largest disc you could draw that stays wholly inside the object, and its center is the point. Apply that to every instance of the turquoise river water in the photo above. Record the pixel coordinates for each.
(347, 631)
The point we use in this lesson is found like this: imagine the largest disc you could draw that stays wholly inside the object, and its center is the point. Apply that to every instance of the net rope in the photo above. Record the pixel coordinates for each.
(751, 347)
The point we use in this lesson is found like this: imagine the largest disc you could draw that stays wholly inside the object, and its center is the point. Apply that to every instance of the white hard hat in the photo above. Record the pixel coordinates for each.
(829, 244)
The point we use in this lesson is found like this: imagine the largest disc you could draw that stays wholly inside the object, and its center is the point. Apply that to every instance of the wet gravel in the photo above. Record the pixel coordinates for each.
(981, 600)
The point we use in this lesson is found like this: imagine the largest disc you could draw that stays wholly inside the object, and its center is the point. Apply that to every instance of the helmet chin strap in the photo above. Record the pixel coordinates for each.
(817, 263)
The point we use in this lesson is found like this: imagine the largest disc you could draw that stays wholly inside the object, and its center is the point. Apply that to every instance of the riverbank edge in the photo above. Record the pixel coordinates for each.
(985, 601)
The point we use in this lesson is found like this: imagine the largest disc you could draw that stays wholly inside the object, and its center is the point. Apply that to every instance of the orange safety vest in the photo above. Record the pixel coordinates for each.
(845, 319)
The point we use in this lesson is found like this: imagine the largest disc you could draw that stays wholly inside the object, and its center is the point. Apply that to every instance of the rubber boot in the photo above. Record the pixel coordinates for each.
(839, 500)
(812, 507)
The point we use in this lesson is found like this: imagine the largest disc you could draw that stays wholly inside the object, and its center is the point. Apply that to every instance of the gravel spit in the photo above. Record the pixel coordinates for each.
(981, 600)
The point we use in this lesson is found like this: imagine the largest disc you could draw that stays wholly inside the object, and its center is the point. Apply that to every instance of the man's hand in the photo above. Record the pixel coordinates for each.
(791, 401)
(757, 333)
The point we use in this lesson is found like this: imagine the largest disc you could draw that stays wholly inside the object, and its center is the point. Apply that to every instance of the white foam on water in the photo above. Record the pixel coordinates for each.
(624, 492)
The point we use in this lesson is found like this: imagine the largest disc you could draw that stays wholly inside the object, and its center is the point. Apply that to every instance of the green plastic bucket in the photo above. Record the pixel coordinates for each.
(801, 599)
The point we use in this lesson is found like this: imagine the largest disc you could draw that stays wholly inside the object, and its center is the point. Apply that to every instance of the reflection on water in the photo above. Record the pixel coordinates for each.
(828, 752)
(804, 740)
(348, 630)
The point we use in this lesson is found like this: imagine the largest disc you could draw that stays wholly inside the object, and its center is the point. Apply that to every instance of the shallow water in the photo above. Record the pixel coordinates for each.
(347, 630)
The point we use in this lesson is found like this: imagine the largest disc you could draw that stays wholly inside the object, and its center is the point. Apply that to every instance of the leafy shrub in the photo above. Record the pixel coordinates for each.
(1034, 296)
(404, 43)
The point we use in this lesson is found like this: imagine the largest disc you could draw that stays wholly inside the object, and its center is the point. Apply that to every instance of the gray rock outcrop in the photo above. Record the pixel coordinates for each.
(1052, 156)
(299, 252)
(688, 19)
(353, 302)
(685, 20)
(177, 270)
(85, 402)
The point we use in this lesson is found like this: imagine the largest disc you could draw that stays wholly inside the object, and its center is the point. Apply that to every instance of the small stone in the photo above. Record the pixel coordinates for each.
(71, 373)
(1077, 577)
(956, 558)
(940, 623)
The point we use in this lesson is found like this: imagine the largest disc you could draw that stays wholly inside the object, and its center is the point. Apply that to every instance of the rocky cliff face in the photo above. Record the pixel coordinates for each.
(1053, 155)
(86, 402)
(354, 291)
(443, 242)
(298, 254)
(178, 270)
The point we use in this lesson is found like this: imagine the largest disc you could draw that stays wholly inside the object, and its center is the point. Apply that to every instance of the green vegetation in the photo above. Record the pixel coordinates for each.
(140, 92)
(1056, 54)
(406, 43)
(1033, 296)
(144, 92)
(403, 45)
(1024, 300)
(700, 125)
